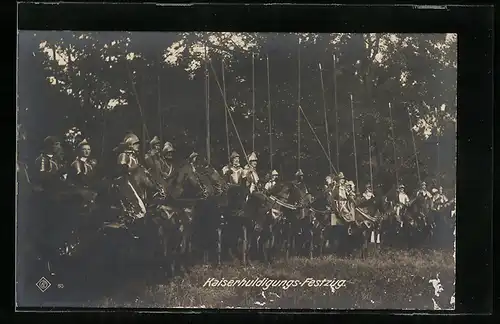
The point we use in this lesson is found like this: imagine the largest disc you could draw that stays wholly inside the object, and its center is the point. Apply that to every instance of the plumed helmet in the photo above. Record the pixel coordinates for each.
(130, 139)
(233, 155)
(252, 157)
(168, 147)
(155, 141)
(299, 173)
(274, 172)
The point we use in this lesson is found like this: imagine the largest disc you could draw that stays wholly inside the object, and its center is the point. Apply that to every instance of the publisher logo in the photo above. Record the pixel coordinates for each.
(43, 284)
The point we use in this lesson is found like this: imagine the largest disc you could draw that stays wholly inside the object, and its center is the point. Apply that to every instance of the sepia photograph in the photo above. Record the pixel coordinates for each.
(236, 170)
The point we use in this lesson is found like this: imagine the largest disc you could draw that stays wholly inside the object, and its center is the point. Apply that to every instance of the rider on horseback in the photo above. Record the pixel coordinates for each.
(167, 162)
(50, 168)
(82, 173)
(272, 182)
(233, 172)
(250, 173)
(423, 191)
(155, 162)
(368, 194)
(439, 199)
(402, 200)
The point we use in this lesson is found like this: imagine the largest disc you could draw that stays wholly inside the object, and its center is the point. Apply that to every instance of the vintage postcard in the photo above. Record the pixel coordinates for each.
(236, 170)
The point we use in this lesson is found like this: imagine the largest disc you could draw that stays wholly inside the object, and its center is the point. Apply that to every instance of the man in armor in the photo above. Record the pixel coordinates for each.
(167, 162)
(83, 167)
(250, 173)
(82, 173)
(272, 182)
(233, 173)
(154, 161)
(368, 194)
(49, 165)
(299, 182)
(423, 191)
(402, 200)
(350, 188)
(128, 158)
(188, 172)
(439, 199)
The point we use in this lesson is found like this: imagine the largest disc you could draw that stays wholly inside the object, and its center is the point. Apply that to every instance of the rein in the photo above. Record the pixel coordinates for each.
(282, 203)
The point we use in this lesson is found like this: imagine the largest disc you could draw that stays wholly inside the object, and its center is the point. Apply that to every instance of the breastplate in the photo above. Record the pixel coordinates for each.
(235, 176)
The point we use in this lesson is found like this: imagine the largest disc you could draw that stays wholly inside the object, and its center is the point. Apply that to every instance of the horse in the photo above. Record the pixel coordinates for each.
(227, 217)
(299, 222)
(444, 225)
(417, 222)
(268, 229)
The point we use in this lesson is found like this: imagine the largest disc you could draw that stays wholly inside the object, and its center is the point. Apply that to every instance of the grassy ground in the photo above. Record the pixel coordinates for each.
(389, 280)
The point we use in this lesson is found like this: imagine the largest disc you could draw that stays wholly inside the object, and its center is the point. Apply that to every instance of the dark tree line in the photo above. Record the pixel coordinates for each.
(110, 83)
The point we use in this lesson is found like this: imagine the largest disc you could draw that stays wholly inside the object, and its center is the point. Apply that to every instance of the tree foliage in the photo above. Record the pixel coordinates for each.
(107, 83)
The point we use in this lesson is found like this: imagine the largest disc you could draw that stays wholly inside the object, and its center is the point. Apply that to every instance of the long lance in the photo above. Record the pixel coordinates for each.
(145, 133)
(207, 104)
(438, 148)
(270, 116)
(317, 139)
(225, 113)
(336, 109)
(413, 140)
(326, 116)
(370, 155)
(354, 143)
(228, 111)
(160, 115)
(253, 102)
(298, 107)
(394, 146)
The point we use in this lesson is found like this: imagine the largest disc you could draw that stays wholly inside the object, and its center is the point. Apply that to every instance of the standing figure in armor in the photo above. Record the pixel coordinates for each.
(299, 182)
(272, 182)
(402, 201)
(82, 173)
(368, 194)
(233, 173)
(250, 173)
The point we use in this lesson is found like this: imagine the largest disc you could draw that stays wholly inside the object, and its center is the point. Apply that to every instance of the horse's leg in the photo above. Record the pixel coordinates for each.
(219, 245)
(245, 243)
(311, 244)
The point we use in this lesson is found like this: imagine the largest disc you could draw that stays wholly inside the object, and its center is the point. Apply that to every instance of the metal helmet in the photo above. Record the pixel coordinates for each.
(154, 141)
(233, 155)
(131, 139)
(274, 173)
(168, 147)
(252, 157)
